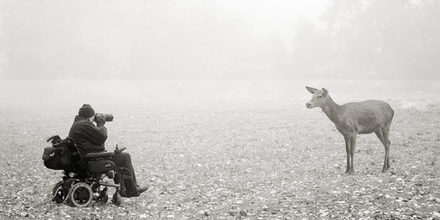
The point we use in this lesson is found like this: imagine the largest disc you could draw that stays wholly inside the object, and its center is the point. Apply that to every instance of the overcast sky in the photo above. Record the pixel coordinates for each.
(218, 39)
(146, 39)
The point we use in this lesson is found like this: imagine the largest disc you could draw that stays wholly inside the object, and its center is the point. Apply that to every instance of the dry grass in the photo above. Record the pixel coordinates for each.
(247, 163)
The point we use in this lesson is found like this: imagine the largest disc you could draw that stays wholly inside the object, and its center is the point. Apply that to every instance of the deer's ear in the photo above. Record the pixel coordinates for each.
(311, 90)
(325, 91)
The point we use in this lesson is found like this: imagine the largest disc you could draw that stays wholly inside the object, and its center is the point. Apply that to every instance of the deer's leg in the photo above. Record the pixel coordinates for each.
(347, 149)
(380, 135)
(385, 132)
(352, 148)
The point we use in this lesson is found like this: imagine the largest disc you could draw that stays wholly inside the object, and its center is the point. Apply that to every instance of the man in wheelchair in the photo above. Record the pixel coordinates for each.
(90, 139)
(85, 162)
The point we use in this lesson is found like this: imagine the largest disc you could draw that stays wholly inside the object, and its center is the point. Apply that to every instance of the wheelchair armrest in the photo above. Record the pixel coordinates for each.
(100, 154)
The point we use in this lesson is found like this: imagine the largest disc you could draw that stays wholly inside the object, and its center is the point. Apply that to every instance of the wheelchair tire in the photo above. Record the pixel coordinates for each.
(59, 193)
(103, 198)
(80, 195)
(117, 199)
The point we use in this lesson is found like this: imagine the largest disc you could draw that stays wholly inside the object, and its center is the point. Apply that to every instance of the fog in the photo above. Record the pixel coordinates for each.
(149, 39)
(209, 98)
(216, 53)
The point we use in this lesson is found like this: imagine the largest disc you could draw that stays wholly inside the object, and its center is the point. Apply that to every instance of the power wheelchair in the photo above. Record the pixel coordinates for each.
(84, 176)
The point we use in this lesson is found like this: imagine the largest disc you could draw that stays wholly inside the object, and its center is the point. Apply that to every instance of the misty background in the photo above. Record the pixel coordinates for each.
(183, 54)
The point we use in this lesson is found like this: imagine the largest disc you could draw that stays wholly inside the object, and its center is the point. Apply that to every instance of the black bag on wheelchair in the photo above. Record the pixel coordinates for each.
(60, 155)
(56, 158)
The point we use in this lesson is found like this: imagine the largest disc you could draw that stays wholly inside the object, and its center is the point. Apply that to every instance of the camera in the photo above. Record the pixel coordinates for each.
(103, 116)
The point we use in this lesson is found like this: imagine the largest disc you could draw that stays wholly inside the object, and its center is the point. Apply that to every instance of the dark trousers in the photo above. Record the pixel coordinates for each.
(124, 160)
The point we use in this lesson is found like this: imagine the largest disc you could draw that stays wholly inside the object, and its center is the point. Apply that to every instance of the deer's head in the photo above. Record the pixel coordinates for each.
(319, 99)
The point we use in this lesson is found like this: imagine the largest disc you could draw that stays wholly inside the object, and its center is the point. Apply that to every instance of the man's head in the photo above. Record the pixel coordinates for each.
(86, 111)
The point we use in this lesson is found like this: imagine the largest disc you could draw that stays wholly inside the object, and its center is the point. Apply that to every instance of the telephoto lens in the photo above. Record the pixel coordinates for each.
(106, 117)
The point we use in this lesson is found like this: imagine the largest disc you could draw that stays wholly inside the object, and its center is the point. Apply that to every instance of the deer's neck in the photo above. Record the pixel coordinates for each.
(332, 110)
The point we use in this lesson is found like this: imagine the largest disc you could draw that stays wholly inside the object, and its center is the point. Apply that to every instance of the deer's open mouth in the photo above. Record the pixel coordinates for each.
(308, 105)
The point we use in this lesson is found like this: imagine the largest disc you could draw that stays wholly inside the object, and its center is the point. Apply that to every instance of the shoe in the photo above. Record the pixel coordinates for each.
(141, 189)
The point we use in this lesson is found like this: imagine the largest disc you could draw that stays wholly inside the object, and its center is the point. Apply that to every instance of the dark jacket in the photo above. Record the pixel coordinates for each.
(88, 137)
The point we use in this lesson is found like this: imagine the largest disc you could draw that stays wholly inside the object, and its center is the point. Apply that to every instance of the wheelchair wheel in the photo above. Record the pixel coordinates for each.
(59, 193)
(117, 199)
(103, 197)
(81, 194)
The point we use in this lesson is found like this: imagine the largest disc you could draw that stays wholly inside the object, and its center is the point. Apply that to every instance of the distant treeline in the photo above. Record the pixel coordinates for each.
(372, 39)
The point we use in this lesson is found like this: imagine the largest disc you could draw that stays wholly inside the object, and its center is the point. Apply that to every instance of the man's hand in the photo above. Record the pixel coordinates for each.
(100, 121)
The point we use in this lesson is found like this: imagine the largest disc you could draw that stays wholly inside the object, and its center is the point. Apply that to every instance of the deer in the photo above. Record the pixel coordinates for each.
(355, 118)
